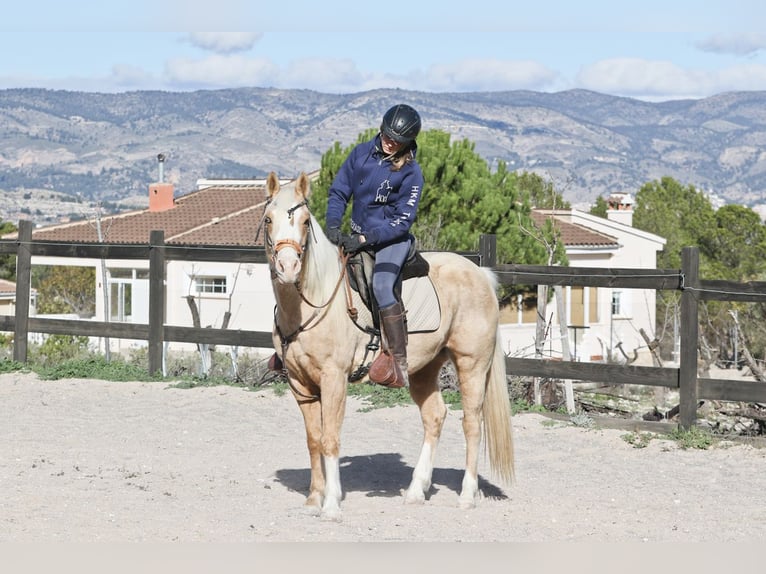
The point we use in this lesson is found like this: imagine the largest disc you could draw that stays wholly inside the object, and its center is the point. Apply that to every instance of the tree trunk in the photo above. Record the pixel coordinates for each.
(204, 349)
(542, 305)
(566, 355)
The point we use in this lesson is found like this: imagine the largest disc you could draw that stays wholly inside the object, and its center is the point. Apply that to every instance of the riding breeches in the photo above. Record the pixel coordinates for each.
(388, 264)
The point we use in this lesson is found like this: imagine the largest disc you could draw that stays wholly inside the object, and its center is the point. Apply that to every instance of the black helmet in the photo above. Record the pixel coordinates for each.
(401, 123)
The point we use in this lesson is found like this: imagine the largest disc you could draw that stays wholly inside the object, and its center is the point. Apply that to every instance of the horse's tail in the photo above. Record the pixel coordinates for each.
(498, 435)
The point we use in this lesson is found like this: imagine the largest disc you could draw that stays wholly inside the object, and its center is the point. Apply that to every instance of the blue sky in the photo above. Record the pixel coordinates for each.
(652, 50)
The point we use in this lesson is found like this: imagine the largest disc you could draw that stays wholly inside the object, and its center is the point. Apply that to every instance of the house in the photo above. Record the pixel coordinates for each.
(218, 213)
(8, 298)
(600, 322)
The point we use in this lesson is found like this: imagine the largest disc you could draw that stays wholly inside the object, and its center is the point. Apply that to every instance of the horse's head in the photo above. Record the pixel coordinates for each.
(287, 227)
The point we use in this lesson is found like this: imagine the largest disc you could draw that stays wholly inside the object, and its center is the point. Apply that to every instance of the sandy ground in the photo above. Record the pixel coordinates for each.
(88, 460)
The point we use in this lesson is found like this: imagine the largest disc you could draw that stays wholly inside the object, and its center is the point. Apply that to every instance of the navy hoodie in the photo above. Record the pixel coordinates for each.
(385, 202)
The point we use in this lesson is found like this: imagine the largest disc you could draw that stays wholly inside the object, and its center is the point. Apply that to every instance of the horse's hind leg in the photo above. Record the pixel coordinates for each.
(424, 388)
(472, 375)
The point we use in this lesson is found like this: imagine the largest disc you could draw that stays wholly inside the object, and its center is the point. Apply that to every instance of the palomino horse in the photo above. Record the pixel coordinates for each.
(320, 345)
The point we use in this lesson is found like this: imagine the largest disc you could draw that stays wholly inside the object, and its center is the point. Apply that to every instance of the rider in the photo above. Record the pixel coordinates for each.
(385, 181)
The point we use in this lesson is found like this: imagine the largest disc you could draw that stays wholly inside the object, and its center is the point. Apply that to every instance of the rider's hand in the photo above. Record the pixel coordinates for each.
(353, 243)
(334, 235)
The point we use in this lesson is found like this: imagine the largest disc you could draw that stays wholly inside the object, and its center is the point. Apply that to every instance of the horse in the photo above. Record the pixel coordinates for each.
(320, 344)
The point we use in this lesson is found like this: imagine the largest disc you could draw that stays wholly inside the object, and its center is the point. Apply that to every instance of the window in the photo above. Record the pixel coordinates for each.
(616, 296)
(210, 284)
(583, 305)
(120, 301)
(128, 295)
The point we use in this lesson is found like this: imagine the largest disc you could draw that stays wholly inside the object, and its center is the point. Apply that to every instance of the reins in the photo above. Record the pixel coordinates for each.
(285, 340)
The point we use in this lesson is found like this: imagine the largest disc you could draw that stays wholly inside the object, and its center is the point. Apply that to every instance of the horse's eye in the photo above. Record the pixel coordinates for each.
(267, 219)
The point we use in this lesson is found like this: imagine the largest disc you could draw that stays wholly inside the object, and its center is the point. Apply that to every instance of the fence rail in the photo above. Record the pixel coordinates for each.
(156, 332)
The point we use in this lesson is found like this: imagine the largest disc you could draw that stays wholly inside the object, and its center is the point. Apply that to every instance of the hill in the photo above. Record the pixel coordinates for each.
(104, 147)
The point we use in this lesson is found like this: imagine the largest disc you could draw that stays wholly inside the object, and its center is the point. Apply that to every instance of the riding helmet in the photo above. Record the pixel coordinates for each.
(401, 123)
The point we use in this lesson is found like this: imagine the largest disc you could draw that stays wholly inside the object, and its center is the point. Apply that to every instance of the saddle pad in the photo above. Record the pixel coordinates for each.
(422, 305)
(420, 301)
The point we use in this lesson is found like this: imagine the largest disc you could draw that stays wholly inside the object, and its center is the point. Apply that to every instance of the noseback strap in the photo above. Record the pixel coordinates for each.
(282, 243)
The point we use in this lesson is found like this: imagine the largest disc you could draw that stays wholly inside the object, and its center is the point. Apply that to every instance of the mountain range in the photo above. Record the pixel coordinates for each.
(70, 147)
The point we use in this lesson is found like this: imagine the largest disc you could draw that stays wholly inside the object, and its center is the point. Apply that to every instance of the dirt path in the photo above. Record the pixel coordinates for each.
(87, 460)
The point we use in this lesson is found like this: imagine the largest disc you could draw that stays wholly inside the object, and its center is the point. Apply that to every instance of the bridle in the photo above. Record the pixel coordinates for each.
(282, 243)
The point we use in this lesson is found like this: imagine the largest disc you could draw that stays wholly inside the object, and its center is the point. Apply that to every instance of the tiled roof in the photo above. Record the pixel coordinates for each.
(229, 215)
(217, 215)
(7, 287)
(574, 235)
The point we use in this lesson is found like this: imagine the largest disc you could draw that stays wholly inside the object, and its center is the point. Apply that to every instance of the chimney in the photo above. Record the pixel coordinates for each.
(161, 163)
(161, 193)
(620, 208)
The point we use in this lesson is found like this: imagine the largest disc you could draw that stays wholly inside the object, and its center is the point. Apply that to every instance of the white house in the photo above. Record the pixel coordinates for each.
(219, 213)
(8, 298)
(600, 322)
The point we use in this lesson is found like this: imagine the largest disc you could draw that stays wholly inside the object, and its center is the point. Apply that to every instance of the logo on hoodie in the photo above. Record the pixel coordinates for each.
(383, 191)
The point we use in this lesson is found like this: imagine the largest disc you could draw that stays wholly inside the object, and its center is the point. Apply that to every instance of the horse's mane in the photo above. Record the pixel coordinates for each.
(321, 264)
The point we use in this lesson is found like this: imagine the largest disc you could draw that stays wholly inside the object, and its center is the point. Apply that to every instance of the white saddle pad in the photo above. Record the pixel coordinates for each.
(420, 301)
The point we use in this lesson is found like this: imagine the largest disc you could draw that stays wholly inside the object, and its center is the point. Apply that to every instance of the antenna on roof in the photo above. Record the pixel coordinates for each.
(161, 161)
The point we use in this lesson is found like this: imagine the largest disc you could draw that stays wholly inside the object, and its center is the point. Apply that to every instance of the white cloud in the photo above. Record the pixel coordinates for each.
(631, 77)
(325, 75)
(221, 71)
(659, 79)
(643, 78)
(343, 75)
(740, 45)
(487, 75)
(131, 76)
(224, 42)
(739, 78)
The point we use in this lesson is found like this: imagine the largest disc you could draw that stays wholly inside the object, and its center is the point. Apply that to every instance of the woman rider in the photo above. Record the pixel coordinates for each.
(384, 181)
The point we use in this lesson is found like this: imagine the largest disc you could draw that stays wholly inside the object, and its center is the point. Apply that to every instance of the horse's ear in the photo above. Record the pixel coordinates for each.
(272, 185)
(303, 186)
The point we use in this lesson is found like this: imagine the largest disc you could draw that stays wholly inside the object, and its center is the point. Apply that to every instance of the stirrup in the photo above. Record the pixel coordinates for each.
(385, 371)
(275, 363)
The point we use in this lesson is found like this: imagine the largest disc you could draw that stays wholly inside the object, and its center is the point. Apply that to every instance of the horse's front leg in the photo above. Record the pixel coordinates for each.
(424, 389)
(333, 407)
(312, 418)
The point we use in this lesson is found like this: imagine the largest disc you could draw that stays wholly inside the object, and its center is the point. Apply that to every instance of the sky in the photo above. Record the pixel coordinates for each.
(654, 50)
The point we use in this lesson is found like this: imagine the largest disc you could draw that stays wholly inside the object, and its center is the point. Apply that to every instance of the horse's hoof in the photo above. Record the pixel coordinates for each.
(414, 497)
(331, 515)
(313, 504)
(467, 503)
(312, 510)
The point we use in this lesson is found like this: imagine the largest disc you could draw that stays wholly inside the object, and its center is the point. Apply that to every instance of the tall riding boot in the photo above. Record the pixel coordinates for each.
(390, 367)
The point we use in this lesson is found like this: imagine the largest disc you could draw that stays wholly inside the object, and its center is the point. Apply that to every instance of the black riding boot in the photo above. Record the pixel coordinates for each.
(390, 367)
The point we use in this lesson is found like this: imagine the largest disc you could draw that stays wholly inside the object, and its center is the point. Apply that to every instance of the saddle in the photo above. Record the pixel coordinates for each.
(359, 268)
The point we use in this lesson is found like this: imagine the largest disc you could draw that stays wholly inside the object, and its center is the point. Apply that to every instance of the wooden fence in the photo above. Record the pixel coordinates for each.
(693, 289)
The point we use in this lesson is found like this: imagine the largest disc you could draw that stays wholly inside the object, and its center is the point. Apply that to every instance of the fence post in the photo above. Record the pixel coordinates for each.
(23, 290)
(156, 299)
(687, 373)
(487, 250)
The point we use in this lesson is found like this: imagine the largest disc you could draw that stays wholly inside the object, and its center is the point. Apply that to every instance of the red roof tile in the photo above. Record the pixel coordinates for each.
(7, 286)
(218, 215)
(574, 235)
